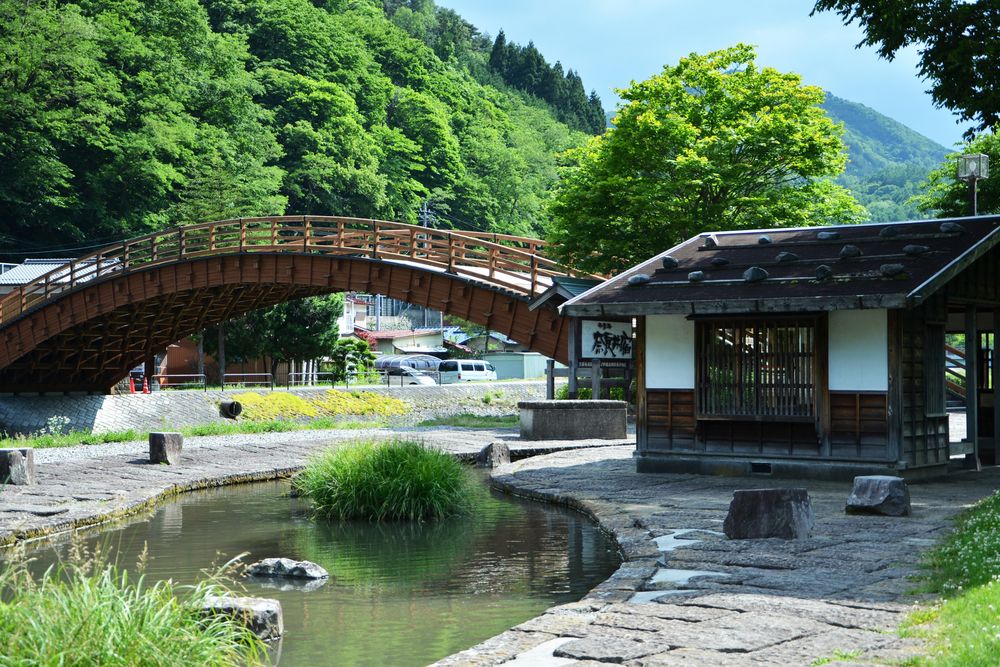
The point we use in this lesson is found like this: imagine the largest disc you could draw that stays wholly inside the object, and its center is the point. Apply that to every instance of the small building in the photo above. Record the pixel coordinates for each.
(405, 341)
(494, 342)
(811, 352)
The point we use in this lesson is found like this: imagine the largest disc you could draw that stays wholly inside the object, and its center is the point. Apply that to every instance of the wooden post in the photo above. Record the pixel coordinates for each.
(995, 383)
(222, 355)
(894, 413)
(821, 378)
(972, 385)
(641, 439)
(574, 364)
(550, 379)
(595, 379)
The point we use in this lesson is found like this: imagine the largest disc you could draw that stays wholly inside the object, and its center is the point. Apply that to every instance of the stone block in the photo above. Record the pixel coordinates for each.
(17, 466)
(493, 455)
(287, 567)
(762, 513)
(165, 448)
(573, 420)
(879, 494)
(261, 615)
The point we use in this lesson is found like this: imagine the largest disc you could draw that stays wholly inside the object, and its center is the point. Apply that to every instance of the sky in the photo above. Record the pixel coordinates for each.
(613, 42)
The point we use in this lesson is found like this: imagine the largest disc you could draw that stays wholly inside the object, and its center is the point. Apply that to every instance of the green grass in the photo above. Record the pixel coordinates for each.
(963, 628)
(44, 440)
(390, 480)
(90, 614)
(467, 420)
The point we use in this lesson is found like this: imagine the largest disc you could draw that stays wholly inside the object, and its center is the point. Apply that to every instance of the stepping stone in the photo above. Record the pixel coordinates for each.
(17, 466)
(762, 513)
(879, 494)
(261, 615)
(286, 567)
(165, 448)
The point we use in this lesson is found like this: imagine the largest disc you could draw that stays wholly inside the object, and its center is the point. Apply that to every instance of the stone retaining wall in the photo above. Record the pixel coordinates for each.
(176, 409)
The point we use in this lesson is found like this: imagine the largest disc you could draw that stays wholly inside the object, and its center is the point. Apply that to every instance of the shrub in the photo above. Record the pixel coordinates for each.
(96, 615)
(280, 405)
(385, 481)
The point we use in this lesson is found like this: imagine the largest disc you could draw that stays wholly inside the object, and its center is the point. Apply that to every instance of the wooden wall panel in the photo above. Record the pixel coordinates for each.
(670, 419)
(859, 424)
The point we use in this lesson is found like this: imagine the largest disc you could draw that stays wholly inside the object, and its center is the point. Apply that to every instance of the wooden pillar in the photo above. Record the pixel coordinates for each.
(641, 439)
(972, 385)
(550, 379)
(995, 382)
(894, 412)
(822, 384)
(573, 346)
(149, 370)
(595, 379)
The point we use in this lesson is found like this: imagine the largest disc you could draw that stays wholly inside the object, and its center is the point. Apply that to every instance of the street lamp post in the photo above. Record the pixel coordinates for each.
(971, 168)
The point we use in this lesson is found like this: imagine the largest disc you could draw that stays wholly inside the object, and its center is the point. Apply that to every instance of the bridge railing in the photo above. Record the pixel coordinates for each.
(511, 262)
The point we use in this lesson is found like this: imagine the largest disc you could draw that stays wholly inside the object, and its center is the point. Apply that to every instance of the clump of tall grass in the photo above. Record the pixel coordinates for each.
(89, 613)
(387, 480)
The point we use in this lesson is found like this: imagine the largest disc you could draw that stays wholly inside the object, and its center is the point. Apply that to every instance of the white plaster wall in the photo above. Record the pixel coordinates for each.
(669, 352)
(859, 350)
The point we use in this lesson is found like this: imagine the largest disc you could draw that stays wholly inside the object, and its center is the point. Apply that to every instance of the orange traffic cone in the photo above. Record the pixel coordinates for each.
(145, 385)
(131, 384)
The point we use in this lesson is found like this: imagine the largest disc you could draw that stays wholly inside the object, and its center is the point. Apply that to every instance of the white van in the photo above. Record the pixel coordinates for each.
(466, 370)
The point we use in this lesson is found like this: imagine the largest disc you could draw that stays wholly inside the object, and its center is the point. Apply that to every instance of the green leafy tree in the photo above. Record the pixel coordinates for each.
(297, 330)
(957, 41)
(351, 356)
(946, 196)
(713, 143)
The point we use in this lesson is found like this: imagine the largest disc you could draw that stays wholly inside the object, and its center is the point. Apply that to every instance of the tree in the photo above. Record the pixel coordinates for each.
(946, 196)
(958, 44)
(713, 143)
(351, 356)
(297, 330)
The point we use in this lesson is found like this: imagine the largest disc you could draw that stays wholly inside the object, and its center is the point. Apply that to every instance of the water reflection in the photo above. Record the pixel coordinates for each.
(398, 594)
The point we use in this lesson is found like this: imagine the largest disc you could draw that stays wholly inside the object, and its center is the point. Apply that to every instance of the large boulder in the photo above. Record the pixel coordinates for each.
(761, 513)
(17, 466)
(879, 494)
(493, 455)
(165, 448)
(261, 615)
(286, 567)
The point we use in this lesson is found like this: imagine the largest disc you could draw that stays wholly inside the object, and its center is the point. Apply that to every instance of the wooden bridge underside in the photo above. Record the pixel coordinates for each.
(88, 337)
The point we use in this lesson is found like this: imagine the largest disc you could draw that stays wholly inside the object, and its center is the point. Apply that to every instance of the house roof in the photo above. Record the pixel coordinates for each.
(888, 265)
(393, 334)
(562, 289)
(22, 274)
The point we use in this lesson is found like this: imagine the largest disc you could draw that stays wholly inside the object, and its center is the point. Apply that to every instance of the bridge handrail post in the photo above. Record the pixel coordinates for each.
(375, 233)
(534, 273)
(243, 233)
(451, 252)
(306, 232)
(181, 243)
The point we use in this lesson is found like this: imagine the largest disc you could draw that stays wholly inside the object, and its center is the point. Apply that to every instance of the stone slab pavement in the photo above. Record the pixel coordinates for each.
(89, 485)
(686, 595)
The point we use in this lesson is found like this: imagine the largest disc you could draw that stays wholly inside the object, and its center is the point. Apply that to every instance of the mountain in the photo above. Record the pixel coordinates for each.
(887, 161)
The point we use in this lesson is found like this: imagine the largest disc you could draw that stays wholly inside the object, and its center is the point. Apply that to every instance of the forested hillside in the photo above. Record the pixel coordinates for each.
(120, 117)
(887, 161)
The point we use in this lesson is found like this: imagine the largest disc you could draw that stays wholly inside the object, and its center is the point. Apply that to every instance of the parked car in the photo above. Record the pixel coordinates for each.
(466, 370)
(411, 376)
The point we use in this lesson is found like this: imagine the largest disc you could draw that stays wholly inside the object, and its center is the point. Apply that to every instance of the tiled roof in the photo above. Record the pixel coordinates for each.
(392, 334)
(889, 265)
(22, 274)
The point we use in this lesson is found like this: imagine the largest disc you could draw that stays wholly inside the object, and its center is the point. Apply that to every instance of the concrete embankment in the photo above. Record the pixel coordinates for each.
(176, 409)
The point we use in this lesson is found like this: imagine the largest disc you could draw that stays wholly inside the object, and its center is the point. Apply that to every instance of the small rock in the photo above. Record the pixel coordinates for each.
(764, 239)
(850, 252)
(670, 262)
(261, 615)
(951, 228)
(165, 448)
(17, 466)
(823, 272)
(889, 232)
(761, 513)
(786, 257)
(286, 567)
(879, 494)
(914, 250)
(493, 455)
(892, 270)
(755, 274)
(711, 241)
(828, 236)
(638, 279)
(719, 261)
(696, 276)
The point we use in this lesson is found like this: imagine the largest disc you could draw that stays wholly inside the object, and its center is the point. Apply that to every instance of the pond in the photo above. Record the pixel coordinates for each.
(398, 594)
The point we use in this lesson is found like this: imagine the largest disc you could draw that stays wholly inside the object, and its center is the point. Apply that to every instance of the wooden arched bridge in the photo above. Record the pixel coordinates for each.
(82, 326)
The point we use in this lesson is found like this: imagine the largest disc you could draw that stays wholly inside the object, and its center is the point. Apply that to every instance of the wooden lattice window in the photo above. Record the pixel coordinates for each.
(757, 368)
(935, 394)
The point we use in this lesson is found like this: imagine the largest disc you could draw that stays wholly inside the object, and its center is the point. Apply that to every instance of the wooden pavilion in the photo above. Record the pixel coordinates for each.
(815, 352)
